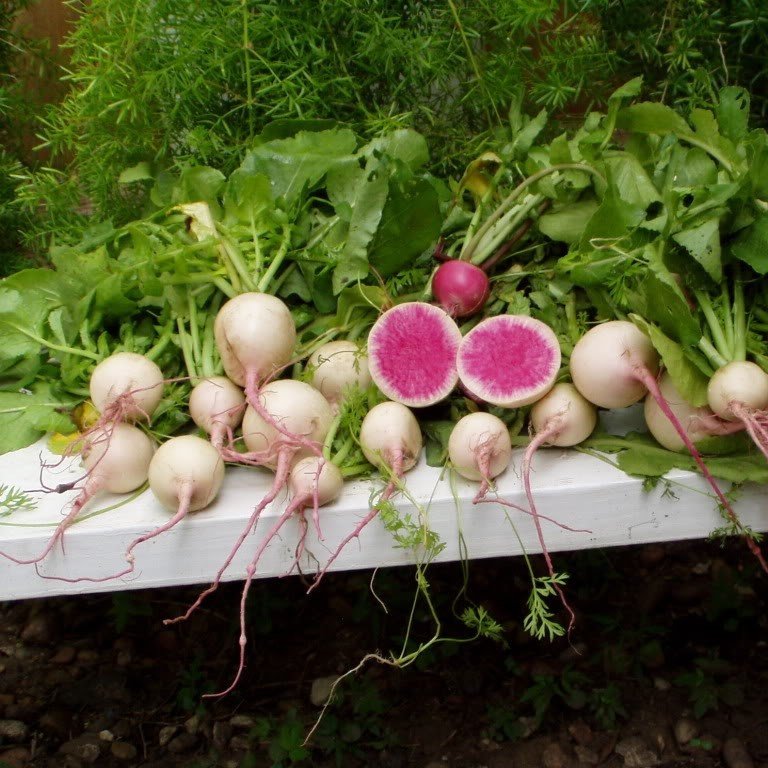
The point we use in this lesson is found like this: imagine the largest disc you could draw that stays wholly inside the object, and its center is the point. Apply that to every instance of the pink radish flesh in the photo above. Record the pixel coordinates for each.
(117, 460)
(509, 360)
(412, 354)
(461, 288)
(613, 365)
(314, 482)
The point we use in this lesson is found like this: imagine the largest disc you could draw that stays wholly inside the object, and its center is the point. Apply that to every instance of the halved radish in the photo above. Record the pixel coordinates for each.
(509, 360)
(412, 354)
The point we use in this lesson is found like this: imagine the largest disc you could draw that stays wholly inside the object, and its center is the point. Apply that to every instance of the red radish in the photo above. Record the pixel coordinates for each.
(185, 475)
(314, 483)
(461, 288)
(126, 387)
(509, 360)
(391, 440)
(412, 354)
(738, 392)
(563, 418)
(697, 422)
(613, 365)
(480, 448)
(292, 408)
(216, 405)
(117, 460)
(337, 366)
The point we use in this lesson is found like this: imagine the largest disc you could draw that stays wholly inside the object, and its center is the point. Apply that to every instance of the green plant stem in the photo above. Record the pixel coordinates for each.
(159, 346)
(727, 313)
(187, 351)
(331, 436)
(739, 317)
(193, 328)
(354, 470)
(718, 336)
(516, 192)
(343, 452)
(277, 260)
(714, 357)
(508, 223)
(225, 287)
(56, 347)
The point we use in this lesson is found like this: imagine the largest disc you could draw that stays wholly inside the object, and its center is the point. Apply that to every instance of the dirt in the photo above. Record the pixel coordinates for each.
(666, 666)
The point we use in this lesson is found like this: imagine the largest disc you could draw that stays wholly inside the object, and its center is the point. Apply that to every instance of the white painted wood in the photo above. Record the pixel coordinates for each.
(577, 490)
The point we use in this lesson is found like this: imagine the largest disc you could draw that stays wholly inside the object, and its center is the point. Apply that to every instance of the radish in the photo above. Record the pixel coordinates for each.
(337, 366)
(738, 392)
(613, 365)
(412, 349)
(117, 460)
(292, 408)
(313, 483)
(391, 440)
(509, 360)
(697, 422)
(480, 448)
(216, 405)
(126, 387)
(185, 475)
(563, 418)
(461, 288)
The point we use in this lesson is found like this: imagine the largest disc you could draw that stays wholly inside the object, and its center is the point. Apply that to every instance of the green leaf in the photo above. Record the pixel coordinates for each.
(651, 117)
(631, 181)
(567, 224)
(751, 245)
(732, 112)
(687, 378)
(410, 223)
(300, 162)
(518, 148)
(284, 129)
(139, 172)
(200, 184)
(405, 145)
(247, 196)
(703, 243)
(437, 434)
(615, 218)
(24, 417)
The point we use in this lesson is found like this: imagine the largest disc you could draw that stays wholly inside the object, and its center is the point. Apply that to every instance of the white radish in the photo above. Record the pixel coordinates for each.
(294, 414)
(480, 448)
(337, 367)
(613, 365)
(216, 405)
(509, 360)
(314, 482)
(126, 387)
(117, 459)
(412, 354)
(391, 440)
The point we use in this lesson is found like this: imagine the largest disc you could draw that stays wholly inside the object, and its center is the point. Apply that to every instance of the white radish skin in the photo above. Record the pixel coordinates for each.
(694, 420)
(570, 417)
(738, 383)
(117, 459)
(255, 335)
(390, 434)
(336, 367)
(479, 447)
(606, 361)
(314, 482)
(217, 405)
(186, 467)
(391, 440)
(126, 387)
(297, 408)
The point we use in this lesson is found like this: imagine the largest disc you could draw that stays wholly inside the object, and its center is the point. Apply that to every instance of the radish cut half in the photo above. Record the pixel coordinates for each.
(412, 354)
(509, 360)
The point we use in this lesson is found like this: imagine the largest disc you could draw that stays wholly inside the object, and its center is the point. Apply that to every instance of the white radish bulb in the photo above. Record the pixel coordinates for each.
(608, 361)
(479, 446)
(117, 458)
(255, 333)
(186, 465)
(661, 427)
(576, 416)
(216, 402)
(305, 478)
(741, 383)
(338, 366)
(389, 429)
(128, 381)
(296, 407)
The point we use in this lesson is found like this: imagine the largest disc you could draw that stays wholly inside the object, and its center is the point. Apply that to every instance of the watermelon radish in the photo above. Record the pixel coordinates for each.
(461, 288)
(509, 360)
(412, 354)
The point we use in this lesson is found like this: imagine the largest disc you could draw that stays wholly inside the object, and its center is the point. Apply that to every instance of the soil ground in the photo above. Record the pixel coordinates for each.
(666, 666)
